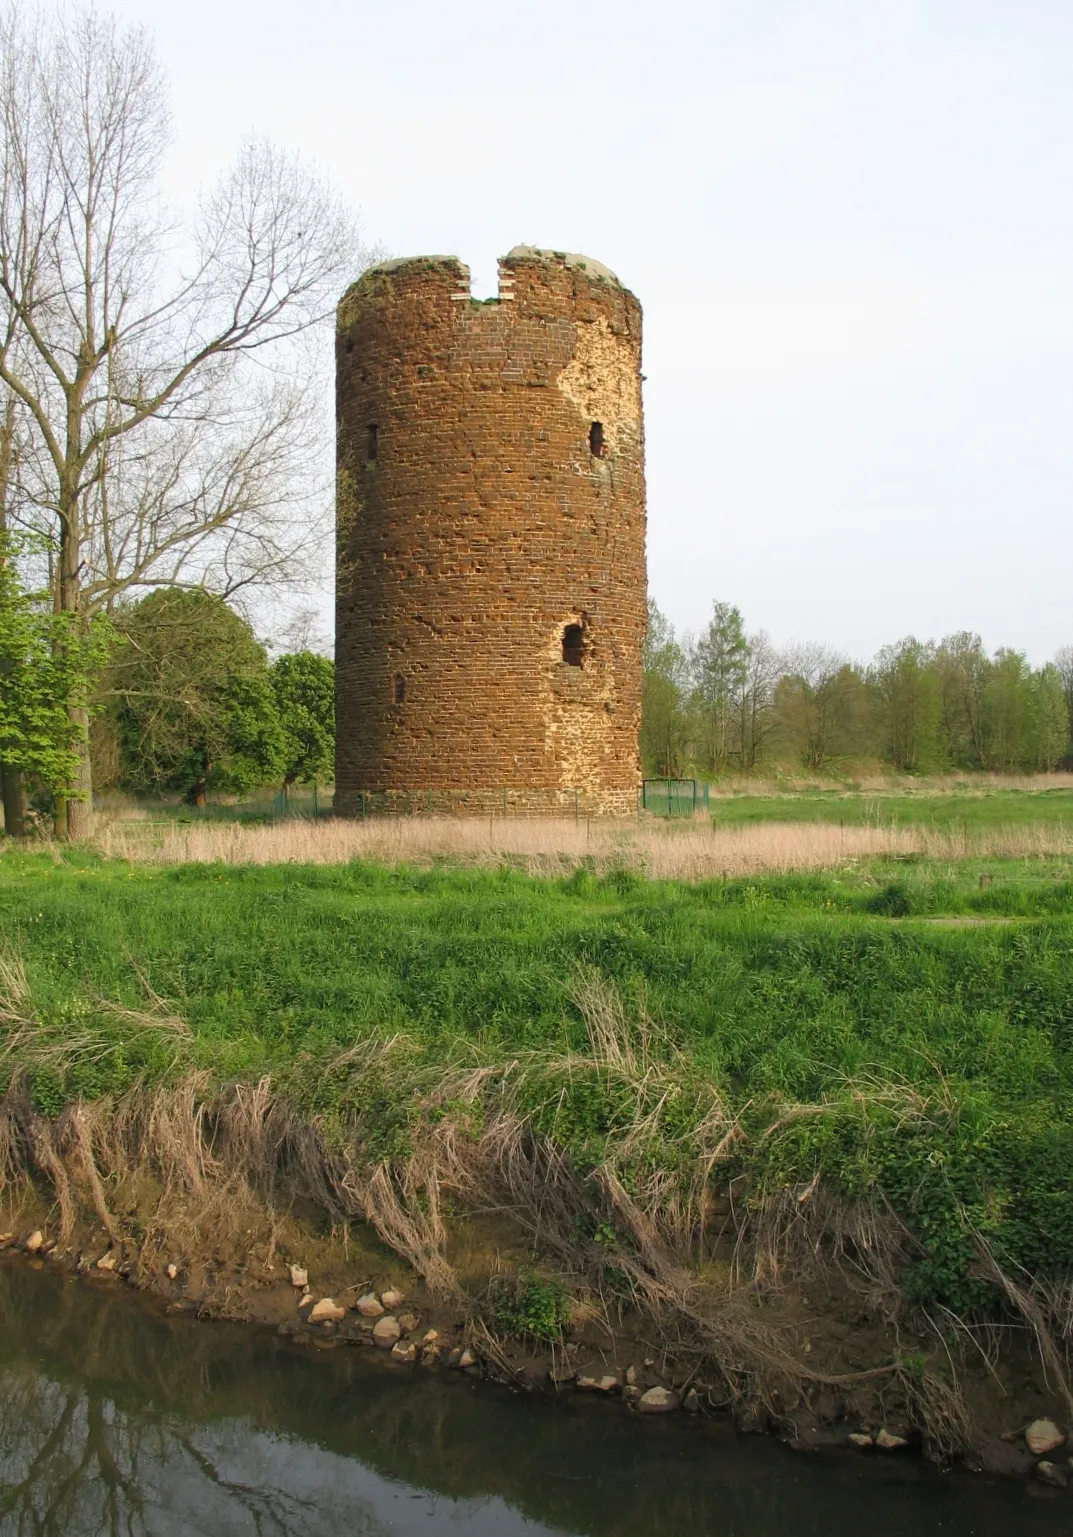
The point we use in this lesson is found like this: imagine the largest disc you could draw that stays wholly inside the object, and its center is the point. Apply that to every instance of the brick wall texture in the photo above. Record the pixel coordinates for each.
(490, 537)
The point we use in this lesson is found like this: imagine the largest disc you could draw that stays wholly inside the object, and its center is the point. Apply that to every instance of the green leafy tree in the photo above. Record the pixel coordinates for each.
(964, 670)
(905, 686)
(1008, 711)
(664, 717)
(46, 661)
(196, 709)
(304, 687)
(1049, 730)
(720, 668)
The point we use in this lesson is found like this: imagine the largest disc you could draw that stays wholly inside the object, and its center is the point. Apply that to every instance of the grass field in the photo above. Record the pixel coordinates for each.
(889, 1025)
(950, 811)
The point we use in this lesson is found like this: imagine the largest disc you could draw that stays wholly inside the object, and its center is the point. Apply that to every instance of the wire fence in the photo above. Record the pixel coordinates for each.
(664, 798)
(266, 805)
(674, 797)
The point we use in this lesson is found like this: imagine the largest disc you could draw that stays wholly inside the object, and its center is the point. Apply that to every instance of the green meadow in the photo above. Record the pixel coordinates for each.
(901, 1030)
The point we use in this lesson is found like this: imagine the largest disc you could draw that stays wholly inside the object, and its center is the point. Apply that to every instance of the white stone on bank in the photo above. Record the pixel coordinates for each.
(326, 1311)
(386, 1332)
(1043, 1436)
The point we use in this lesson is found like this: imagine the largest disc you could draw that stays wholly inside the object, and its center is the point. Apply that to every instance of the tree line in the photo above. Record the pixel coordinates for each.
(728, 699)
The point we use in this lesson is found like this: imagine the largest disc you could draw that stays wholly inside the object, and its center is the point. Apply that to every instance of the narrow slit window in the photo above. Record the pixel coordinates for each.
(372, 435)
(399, 688)
(573, 645)
(596, 440)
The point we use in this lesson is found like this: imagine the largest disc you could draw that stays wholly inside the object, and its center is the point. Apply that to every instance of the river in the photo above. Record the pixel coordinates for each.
(116, 1419)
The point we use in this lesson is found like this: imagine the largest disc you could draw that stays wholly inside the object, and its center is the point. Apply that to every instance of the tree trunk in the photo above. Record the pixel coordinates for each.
(13, 792)
(80, 800)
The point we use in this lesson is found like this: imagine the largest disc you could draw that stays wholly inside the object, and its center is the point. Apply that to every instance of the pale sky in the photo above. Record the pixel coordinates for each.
(849, 222)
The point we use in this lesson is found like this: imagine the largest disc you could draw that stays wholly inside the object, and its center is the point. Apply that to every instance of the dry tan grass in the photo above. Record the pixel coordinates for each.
(672, 851)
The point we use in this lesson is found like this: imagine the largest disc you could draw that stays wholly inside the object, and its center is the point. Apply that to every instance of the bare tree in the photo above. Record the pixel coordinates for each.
(816, 699)
(754, 696)
(158, 363)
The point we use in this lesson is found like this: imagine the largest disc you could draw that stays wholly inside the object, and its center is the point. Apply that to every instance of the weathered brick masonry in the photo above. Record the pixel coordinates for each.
(491, 537)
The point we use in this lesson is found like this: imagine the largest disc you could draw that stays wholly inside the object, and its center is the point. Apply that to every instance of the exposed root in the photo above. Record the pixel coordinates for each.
(84, 1143)
(49, 1162)
(1027, 1302)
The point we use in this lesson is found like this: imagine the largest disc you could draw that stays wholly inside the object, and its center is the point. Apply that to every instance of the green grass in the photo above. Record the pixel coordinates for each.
(955, 811)
(941, 1055)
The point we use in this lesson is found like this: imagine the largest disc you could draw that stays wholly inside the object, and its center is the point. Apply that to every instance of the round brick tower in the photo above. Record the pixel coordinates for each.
(490, 584)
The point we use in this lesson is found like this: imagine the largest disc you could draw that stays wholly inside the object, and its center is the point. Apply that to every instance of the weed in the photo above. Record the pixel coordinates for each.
(528, 1305)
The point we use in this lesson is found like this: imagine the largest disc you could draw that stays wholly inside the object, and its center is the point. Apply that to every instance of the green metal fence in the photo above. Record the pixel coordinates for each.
(267, 805)
(674, 797)
(299, 801)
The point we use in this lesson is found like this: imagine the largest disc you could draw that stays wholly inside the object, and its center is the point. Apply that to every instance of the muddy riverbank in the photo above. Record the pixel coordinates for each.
(323, 1290)
(120, 1416)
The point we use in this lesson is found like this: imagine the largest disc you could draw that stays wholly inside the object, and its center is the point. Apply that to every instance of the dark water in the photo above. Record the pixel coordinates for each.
(115, 1420)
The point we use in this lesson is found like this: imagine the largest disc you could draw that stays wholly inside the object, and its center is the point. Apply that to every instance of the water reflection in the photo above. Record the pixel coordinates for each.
(115, 1420)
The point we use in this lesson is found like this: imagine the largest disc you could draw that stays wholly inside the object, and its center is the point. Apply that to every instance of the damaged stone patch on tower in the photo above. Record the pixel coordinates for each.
(490, 585)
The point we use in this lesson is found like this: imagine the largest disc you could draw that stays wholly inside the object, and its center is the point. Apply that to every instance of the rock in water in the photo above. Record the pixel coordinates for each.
(386, 1332)
(391, 1299)
(691, 1402)
(859, 1438)
(657, 1401)
(299, 1277)
(467, 1360)
(889, 1442)
(1043, 1436)
(326, 1311)
(369, 1306)
(35, 1240)
(604, 1384)
(1051, 1473)
(106, 1262)
(404, 1352)
(431, 1337)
